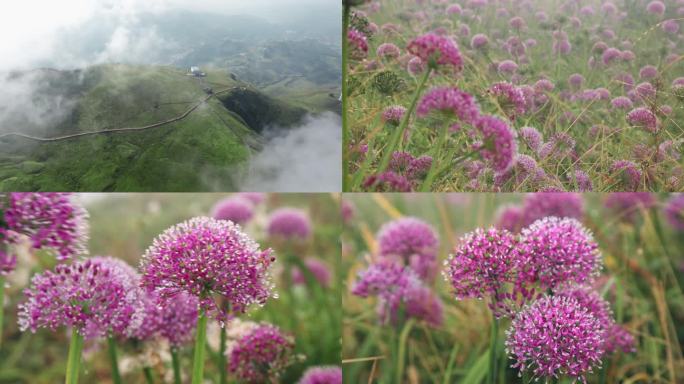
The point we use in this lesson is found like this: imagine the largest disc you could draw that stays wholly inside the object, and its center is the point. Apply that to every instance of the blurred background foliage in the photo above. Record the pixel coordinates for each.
(123, 226)
(643, 274)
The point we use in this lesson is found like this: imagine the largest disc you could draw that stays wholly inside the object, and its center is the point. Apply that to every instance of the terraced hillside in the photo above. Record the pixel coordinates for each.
(141, 128)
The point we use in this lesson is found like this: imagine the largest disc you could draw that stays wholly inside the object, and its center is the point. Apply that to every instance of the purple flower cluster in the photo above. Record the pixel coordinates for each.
(436, 50)
(674, 212)
(388, 181)
(413, 242)
(318, 269)
(556, 336)
(358, 44)
(97, 296)
(393, 114)
(261, 355)
(50, 220)
(205, 257)
(510, 98)
(412, 168)
(322, 375)
(539, 205)
(236, 209)
(627, 205)
(558, 251)
(499, 145)
(628, 174)
(449, 100)
(289, 223)
(644, 118)
(174, 321)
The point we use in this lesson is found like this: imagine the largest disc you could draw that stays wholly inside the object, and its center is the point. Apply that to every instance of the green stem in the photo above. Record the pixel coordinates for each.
(492, 351)
(200, 341)
(222, 358)
(149, 378)
(399, 131)
(433, 167)
(2, 304)
(345, 118)
(401, 351)
(116, 377)
(175, 362)
(74, 359)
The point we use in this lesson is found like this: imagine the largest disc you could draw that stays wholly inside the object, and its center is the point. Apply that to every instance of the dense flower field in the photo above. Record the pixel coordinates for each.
(472, 288)
(169, 288)
(515, 95)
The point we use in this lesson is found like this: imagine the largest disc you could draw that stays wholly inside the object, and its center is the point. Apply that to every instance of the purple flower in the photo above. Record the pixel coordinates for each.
(449, 100)
(479, 41)
(415, 66)
(628, 174)
(648, 72)
(583, 181)
(619, 338)
(671, 26)
(236, 209)
(628, 204)
(507, 67)
(531, 137)
(289, 223)
(358, 44)
(510, 98)
(96, 296)
(261, 355)
(397, 288)
(413, 168)
(454, 9)
(50, 220)
(621, 102)
(322, 375)
(656, 7)
(576, 80)
(393, 114)
(540, 205)
(348, 210)
(412, 241)
(388, 50)
(499, 145)
(560, 145)
(558, 251)
(174, 321)
(207, 258)
(436, 50)
(482, 263)
(255, 198)
(318, 269)
(387, 182)
(510, 217)
(674, 211)
(555, 336)
(644, 118)
(610, 55)
(8, 262)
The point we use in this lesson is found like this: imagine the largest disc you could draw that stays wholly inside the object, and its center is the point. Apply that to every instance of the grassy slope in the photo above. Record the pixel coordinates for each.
(197, 153)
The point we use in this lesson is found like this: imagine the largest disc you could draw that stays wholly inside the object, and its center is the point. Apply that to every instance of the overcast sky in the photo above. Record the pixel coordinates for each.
(28, 28)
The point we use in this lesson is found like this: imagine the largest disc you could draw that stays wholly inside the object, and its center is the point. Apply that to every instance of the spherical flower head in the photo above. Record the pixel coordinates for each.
(610, 55)
(510, 98)
(421, 303)
(289, 223)
(415, 66)
(507, 67)
(583, 181)
(517, 23)
(388, 181)
(558, 251)
(437, 51)
(393, 114)
(174, 321)
(656, 8)
(628, 204)
(671, 26)
(674, 212)
(555, 336)
(96, 296)
(576, 80)
(235, 209)
(509, 217)
(645, 91)
(51, 221)
(388, 51)
(542, 204)
(318, 269)
(591, 301)
(205, 257)
(648, 72)
(482, 263)
(643, 118)
(255, 198)
(358, 44)
(621, 102)
(479, 41)
(261, 355)
(449, 100)
(628, 174)
(618, 338)
(499, 145)
(322, 375)
(562, 47)
(531, 137)
(454, 9)
(413, 241)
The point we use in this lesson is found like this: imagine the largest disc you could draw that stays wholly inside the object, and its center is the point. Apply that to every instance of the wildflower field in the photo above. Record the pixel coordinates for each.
(515, 288)
(170, 288)
(514, 95)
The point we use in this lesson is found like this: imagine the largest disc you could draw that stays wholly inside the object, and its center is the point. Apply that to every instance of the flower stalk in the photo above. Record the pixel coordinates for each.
(200, 347)
(74, 357)
(111, 344)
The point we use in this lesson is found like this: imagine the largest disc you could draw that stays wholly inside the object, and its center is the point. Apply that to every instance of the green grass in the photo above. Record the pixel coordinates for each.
(614, 139)
(123, 226)
(208, 150)
(642, 274)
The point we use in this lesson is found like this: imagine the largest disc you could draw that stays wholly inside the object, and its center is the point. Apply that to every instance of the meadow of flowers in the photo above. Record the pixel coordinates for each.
(514, 95)
(513, 288)
(169, 288)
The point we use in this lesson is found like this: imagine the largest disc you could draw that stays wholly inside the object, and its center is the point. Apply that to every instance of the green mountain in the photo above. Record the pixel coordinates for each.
(182, 133)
